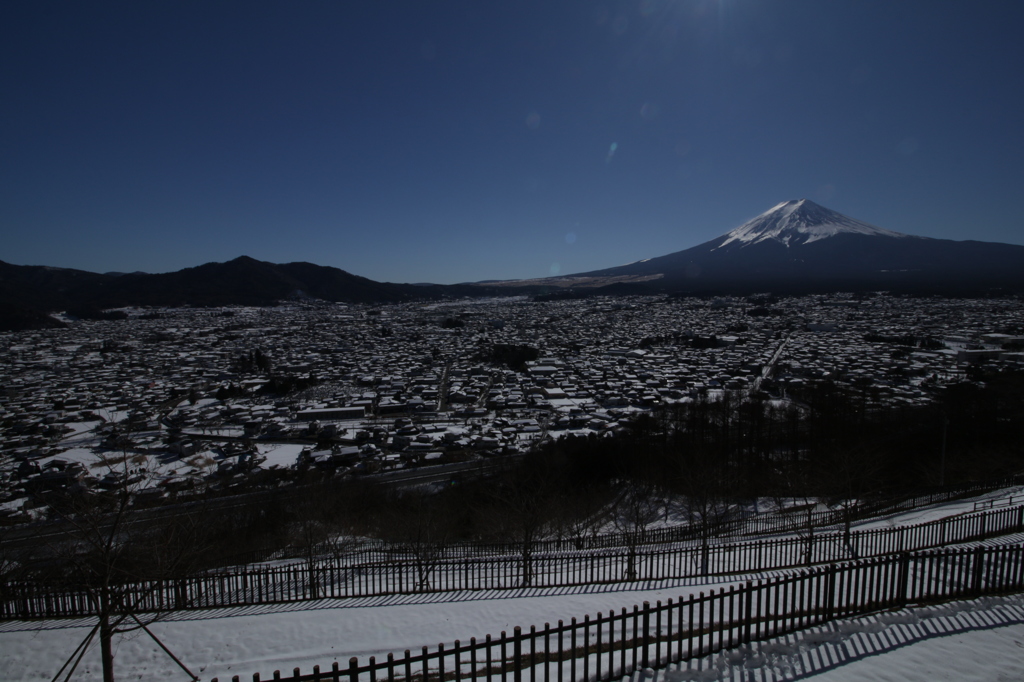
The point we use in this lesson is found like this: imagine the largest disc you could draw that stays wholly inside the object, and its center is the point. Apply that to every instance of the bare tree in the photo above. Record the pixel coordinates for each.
(423, 527)
(638, 506)
(580, 513)
(844, 475)
(109, 549)
(522, 511)
(699, 480)
(319, 528)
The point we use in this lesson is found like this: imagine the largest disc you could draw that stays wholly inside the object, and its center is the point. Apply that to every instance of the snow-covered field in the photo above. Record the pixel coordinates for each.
(971, 640)
(242, 641)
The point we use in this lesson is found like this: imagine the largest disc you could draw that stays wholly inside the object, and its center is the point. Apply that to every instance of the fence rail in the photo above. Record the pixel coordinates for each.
(615, 644)
(298, 582)
(1002, 502)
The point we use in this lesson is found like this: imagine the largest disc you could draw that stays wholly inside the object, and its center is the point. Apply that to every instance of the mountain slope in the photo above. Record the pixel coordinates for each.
(794, 223)
(801, 246)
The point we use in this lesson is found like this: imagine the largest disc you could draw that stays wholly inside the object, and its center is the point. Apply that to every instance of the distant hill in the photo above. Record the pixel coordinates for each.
(29, 292)
(801, 247)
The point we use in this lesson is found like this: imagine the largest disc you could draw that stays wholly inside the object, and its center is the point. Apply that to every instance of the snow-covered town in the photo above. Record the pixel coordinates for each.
(238, 397)
(584, 341)
(311, 468)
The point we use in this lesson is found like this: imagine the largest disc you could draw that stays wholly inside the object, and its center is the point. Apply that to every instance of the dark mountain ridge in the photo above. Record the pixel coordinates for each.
(28, 292)
(797, 247)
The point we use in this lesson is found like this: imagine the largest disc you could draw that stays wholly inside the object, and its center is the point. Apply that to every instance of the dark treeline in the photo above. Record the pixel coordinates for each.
(835, 443)
(831, 442)
(513, 356)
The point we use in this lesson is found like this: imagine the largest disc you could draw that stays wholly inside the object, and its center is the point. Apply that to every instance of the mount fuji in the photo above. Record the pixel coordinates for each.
(799, 246)
(793, 223)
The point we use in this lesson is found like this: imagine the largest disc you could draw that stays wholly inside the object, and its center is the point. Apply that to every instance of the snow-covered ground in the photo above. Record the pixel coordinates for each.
(245, 640)
(241, 641)
(971, 640)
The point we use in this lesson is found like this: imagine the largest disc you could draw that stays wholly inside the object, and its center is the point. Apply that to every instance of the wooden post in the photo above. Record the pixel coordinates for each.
(978, 569)
(657, 632)
(647, 629)
(689, 640)
(748, 616)
(547, 650)
(586, 647)
(830, 595)
(533, 653)
(504, 657)
(353, 665)
(561, 630)
(904, 579)
(572, 651)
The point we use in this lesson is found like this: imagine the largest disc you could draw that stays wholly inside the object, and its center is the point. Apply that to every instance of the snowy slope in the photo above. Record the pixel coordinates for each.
(245, 640)
(800, 222)
(968, 640)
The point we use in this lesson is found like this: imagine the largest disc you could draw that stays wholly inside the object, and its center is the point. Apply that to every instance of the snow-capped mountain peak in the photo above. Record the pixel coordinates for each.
(800, 222)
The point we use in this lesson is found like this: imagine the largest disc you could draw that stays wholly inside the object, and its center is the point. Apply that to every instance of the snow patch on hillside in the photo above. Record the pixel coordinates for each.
(800, 222)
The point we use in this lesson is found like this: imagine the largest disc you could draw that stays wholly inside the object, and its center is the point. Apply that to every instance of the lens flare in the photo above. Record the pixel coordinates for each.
(611, 152)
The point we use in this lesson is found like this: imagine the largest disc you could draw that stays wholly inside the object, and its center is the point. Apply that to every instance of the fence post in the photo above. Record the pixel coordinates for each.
(830, 597)
(810, 545)
(353, 665)
(904, 578)
(749, 611)
(978, 568)
(647, 627)
(517, 653)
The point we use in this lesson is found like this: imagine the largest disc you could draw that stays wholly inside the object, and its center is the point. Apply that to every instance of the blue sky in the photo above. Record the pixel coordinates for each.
(460, 141)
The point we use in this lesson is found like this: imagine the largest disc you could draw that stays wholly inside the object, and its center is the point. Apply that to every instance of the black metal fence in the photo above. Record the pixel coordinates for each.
(336, 579)
(615, 644)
